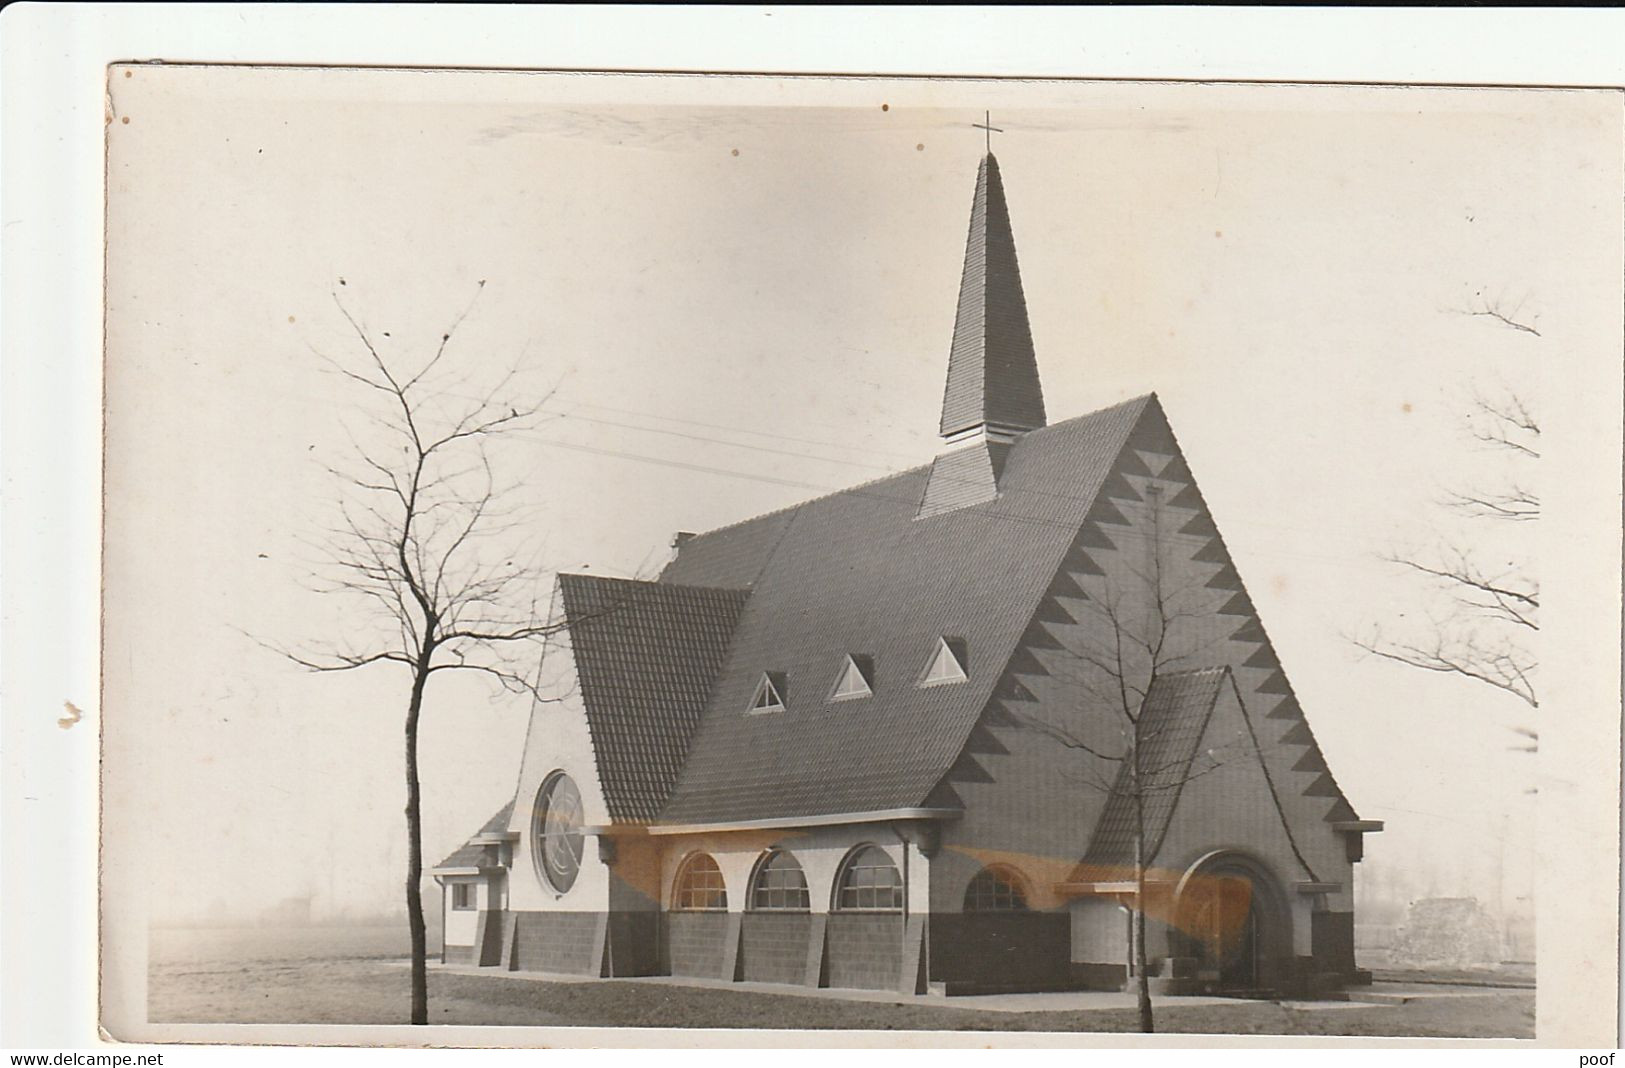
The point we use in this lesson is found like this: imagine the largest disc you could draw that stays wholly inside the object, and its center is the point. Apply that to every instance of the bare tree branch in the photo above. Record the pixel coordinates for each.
(1485, 630)
(1514, 503)
(1145, 621)
(421, 548)
(1505, 319)
(1496, 309)
(1501, 668)
(1506, 422)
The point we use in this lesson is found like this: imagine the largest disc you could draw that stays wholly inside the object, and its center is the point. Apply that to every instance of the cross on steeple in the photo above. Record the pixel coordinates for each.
(987, 125)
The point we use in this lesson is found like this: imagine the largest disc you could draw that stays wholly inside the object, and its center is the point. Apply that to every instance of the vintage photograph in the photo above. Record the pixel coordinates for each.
(615, 551)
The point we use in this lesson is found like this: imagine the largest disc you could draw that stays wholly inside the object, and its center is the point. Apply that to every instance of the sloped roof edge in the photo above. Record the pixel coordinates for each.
(472, 852)
(1059, 509)
(646, 654)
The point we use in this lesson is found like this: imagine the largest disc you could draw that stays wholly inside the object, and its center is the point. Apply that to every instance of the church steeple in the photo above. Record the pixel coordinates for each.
(992, 396)
(992, 372)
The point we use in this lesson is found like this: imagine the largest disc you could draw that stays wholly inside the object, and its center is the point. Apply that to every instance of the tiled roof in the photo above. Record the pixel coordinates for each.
(992, 372)
(1174, 718)
(730, 557)
(857, 573)
(646, 654)
(472, 853)
(964, 476)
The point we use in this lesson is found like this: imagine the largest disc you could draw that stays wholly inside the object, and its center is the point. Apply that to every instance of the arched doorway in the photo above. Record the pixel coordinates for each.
(1232, 919)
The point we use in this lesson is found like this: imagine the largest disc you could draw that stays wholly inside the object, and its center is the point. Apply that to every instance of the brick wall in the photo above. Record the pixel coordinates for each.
(556, 942)
(773, 946)
(865, 949)
(992, 951)
(697, 943)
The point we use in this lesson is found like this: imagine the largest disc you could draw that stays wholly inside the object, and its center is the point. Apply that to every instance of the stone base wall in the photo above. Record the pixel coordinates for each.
(774, 946)
(697, 944)
(965, 952)
(1098, 976)
(864, 950)
(1002, 951)
(564, 942)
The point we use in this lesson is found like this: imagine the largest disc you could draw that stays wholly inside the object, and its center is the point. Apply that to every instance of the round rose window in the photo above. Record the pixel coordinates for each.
(556, 831)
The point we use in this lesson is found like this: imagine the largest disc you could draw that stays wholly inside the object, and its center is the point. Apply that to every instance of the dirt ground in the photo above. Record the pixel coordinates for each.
(375, 992)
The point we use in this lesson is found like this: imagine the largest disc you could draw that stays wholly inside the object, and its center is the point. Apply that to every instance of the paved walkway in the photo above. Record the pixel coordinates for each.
(1060, 1001)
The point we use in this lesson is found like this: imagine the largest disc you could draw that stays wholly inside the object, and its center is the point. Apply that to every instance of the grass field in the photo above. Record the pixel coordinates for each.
(298, 980)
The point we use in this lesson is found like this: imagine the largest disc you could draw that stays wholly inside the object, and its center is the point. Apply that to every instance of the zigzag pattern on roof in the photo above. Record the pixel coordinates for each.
(1290, 750)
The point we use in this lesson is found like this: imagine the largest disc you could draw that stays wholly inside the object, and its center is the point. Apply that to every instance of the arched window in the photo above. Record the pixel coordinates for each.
(555, 828)
(996, 890)
(779, 884)
(699, 886)
(869, 883)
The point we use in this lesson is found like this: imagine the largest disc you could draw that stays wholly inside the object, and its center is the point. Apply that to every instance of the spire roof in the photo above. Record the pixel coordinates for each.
(992, 372)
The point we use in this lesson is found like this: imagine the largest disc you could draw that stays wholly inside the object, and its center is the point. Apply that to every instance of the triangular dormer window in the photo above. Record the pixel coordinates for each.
(947, 663)
(857, 679)
(769, 693)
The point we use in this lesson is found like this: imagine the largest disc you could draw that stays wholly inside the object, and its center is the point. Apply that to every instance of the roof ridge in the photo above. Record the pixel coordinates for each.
(1139, 398)
(813, 500)
(654, 583)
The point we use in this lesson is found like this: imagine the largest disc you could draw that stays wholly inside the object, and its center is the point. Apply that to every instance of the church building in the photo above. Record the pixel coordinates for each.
(943, 732)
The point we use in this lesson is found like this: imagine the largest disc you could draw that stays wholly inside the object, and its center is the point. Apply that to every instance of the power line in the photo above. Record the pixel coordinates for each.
(911, 457)
(718, 441)
(663, 462)
(914, 462)
(858, 490)
(885, 469)
(911, 501)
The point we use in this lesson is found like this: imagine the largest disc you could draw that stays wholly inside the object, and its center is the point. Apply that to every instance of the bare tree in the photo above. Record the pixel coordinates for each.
(1138, 632)
(1484, 624)
(425, 547)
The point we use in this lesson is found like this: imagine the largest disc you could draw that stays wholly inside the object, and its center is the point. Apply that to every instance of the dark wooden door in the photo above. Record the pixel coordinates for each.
(1227, 927)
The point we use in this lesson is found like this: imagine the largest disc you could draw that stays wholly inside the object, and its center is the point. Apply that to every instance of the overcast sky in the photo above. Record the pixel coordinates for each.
(741, 294)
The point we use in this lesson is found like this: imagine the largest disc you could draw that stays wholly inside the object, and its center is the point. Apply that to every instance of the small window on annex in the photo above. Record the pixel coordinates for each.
(869, 883)
(462, 896)
(996, 890)
(699, 886)
(779, 885)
